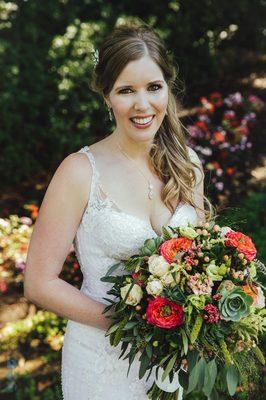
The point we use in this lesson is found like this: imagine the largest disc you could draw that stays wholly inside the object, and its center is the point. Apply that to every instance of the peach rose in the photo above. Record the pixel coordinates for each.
(171, 247)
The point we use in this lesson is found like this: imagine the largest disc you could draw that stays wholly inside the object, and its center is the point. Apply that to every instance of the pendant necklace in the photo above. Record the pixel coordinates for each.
(150, 185)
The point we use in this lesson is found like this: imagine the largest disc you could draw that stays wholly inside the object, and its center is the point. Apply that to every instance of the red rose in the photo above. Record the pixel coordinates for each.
(242, 243)
(171, 247)
(164, 313)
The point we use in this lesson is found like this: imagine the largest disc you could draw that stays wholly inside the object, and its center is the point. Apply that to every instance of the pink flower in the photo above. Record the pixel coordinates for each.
(195, 131)
(234, 99)
(212, 315)
(219, 185)
(200, 284)
(20, 265)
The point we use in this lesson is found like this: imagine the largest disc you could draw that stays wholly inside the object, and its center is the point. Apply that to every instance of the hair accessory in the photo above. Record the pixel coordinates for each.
(95, 57)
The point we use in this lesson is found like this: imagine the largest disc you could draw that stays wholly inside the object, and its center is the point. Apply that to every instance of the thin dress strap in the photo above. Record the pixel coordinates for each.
(99, 197)
(95, 174)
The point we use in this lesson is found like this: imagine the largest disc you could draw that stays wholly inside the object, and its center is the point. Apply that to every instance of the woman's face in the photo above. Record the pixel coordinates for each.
(139, 91)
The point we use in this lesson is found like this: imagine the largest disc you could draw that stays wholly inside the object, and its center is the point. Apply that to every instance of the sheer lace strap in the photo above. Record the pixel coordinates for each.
(95, 175)
(99, 199)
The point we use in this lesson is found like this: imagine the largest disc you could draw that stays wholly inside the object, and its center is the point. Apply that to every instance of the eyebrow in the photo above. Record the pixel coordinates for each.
(130, 86)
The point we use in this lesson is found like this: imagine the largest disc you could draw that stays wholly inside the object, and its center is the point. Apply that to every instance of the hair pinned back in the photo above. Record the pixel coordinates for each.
(179, 168)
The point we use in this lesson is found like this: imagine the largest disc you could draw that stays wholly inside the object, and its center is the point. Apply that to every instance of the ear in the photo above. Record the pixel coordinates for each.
(107, 100)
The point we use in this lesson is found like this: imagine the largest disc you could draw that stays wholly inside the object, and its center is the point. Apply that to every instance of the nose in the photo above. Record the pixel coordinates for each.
(141, 101)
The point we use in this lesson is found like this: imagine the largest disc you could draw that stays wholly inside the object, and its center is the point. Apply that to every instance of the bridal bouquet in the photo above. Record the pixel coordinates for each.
(190, 305)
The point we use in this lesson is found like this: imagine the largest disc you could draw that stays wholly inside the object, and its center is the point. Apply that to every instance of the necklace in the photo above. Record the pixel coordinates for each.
(150, 185)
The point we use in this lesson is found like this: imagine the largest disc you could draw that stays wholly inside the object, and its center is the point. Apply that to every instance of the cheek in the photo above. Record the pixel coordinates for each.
(122, 106)
(161, 101)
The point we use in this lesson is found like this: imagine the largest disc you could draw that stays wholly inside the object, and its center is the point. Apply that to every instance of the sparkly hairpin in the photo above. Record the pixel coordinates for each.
(95, 57)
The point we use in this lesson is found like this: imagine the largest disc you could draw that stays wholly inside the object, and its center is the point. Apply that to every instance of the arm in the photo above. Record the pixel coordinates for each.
(198, 191)
(53, 234)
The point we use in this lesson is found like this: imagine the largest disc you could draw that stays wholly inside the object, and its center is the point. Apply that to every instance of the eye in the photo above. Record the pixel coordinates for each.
(125, 91)
(157, 85)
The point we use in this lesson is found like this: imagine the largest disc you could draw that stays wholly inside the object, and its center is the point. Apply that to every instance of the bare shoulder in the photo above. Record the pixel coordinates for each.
(76, 167)
(71, 181)
(58, 220)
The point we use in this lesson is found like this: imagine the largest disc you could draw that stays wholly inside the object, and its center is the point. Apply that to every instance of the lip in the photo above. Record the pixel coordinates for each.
(141, 126)
(143, 116)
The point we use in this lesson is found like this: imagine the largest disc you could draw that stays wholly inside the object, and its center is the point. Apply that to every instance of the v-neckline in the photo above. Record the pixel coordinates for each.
(120, 211)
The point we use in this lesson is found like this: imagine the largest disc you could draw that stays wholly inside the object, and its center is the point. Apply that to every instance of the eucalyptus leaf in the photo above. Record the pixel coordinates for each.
(144, 363)
(165, 359)
(193, 378)
(149, 351)
(183, 378)
(169, 366)
(214, 395)
(232, 379)
(109, 279)
(130, 325)
(202, 366)
(131, 357)
(210, 377)
(133, 263)
(192, 357)
(112, 269)
(148, 336)
(124, 348)
(109, 300)
(112, 329)
(185, 341)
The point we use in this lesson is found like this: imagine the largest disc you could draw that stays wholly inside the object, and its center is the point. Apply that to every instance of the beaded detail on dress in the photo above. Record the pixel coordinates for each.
(106, 235)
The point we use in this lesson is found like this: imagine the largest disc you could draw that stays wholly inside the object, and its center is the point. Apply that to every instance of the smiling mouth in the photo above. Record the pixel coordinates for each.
(142, 121)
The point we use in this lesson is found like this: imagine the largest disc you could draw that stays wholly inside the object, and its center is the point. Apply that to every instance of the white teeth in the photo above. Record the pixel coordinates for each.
(142, 121)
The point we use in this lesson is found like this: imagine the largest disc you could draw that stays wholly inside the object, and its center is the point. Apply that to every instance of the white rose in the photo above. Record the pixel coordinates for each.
(154, 287)
(167, 279)
(158, 266)
(134, 296)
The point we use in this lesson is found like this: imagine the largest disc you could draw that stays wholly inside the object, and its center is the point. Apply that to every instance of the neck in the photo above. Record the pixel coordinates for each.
(138, 151)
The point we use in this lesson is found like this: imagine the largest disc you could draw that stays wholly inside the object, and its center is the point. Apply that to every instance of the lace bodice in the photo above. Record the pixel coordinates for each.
(91, 368)
(106, 235)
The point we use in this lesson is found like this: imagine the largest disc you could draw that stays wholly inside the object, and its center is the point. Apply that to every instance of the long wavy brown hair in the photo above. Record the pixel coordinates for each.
(175, 164)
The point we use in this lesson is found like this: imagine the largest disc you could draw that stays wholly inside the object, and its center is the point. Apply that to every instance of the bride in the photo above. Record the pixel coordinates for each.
(108, 198)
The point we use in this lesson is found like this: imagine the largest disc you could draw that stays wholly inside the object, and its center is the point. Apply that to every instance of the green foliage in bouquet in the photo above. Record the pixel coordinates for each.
(190, 305)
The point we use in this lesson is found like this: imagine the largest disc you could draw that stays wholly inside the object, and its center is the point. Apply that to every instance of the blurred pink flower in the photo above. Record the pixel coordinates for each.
(26, 220)
(234, 99)
(20, 265)
(219, 185)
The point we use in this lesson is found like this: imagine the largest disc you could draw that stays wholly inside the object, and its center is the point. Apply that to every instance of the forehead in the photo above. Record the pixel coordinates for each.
(139, 71)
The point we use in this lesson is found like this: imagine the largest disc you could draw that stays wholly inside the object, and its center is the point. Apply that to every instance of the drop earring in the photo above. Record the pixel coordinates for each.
(110, 113)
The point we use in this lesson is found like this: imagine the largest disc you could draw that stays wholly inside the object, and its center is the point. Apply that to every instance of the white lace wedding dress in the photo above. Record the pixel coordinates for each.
(90, 368)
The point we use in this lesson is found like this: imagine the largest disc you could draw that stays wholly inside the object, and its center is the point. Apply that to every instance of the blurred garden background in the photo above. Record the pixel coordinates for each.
(48, 111)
